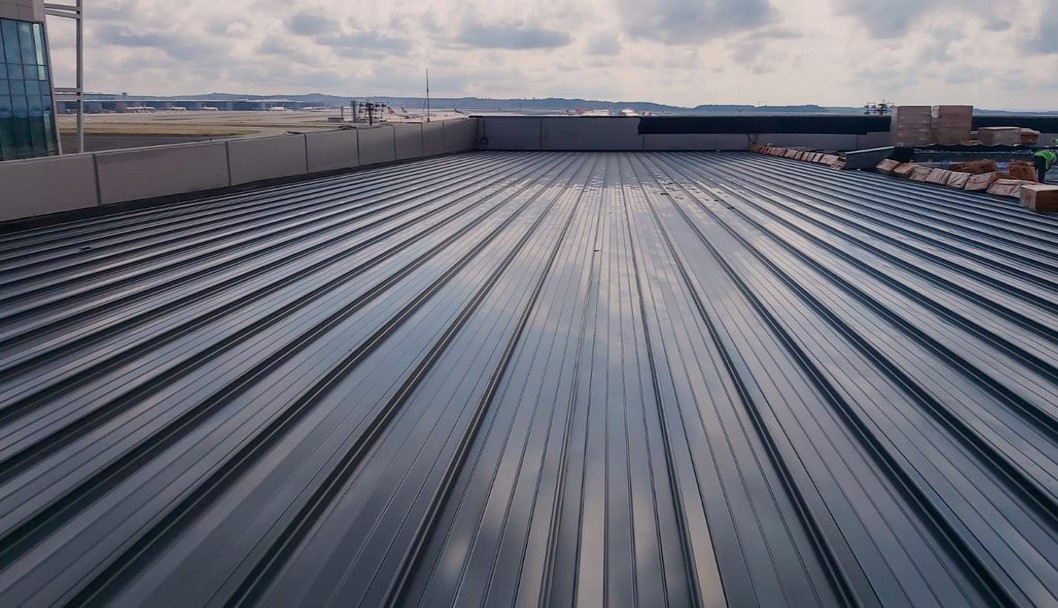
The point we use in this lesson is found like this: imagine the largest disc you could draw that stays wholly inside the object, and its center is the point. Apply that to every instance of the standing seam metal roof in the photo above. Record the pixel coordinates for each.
(657, 379)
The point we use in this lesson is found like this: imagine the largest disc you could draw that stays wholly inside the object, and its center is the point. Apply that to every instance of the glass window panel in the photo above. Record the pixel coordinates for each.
(10, 33)
(38, 43)
(7, 138)
(25, 40)
(20, 107)
(40, 142)
(49, 133)
(26, 106)
(36, 134)
(23, 140)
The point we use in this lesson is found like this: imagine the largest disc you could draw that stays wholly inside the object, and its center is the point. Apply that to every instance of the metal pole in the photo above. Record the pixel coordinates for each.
(80, 77)
(71, 11)
(54, 93)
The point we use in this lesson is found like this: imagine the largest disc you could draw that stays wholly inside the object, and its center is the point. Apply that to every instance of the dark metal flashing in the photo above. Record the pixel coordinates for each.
(771, 124)
(1043, 124)
(829, 124)
(599, 379)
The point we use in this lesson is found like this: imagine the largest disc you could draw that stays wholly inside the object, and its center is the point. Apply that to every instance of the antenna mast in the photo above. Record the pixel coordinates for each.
(427, 94)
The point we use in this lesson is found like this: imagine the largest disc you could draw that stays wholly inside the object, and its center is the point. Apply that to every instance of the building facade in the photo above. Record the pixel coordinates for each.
(27, 116)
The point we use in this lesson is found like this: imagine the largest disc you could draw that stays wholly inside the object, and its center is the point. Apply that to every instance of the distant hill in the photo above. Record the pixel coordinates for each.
(470, 103)
(534, 105)
(983, 112)
(486, 104)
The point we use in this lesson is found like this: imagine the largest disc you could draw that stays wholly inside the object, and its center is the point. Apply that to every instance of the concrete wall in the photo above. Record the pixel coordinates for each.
(514, 133)
(433, 138)
(407, 141)
(696, 141)
(622, 133)
(23, 10)
(253, 160)
(873, 140)
(590, 133)
(128, 175)
(43, 186)
(47, 185)
(377, 146)
(331, 150)
(461, 135)
(822, 141)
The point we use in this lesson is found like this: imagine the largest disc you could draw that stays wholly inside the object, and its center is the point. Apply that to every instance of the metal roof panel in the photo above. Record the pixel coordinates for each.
(536, 378)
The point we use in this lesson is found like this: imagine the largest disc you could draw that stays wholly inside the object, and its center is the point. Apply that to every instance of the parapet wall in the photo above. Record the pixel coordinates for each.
(46, 186)
(838, 133)
(627, 133)
(43, 186)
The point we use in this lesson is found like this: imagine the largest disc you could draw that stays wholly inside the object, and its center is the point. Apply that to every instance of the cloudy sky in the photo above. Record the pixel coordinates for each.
(685, 52)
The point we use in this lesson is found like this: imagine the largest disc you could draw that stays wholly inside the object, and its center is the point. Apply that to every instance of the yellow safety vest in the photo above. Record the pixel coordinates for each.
(1049, 156)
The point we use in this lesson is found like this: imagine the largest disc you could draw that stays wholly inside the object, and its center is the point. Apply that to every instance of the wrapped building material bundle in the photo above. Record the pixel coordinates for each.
(1040, 198)
(912, 125)
(1000, 136)
(952, 124)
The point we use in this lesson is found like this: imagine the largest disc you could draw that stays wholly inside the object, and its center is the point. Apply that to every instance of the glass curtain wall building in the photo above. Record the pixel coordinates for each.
(27, 118)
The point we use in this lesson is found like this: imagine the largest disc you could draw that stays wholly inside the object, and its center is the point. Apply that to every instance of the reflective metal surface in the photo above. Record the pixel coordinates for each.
(543, 378)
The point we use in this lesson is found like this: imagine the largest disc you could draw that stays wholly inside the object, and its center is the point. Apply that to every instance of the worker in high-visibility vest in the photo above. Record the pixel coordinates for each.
(1044, 159)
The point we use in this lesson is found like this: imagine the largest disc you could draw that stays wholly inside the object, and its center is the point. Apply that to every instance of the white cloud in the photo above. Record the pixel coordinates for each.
(687, 52)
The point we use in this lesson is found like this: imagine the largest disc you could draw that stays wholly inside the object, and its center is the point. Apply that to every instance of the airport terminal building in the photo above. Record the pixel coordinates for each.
(27, 116)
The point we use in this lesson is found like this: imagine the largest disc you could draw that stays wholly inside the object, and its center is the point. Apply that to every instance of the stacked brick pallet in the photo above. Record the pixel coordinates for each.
(952, 124)
(912, 126)
(1040, 198)
(833, 161)
(1000, 136)
(919, 126)
(981, 176)
(915, 126)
